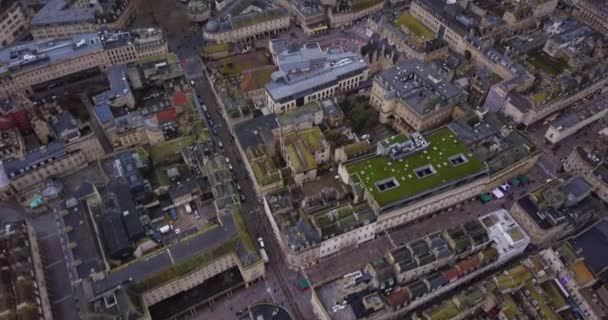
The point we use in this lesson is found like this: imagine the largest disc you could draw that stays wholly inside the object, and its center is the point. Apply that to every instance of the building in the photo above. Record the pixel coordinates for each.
(407, 178)
(163, 92)
(568, 33)
(303, 150)
(39, 65)
(410, 37)
(556, 209)
(189, 263)
(76, 136)
(64, 19)
(577, 117)
(52, 160)
(414, 97)
(246, 20)
(309, 15)
(593, 12)
(409, 277)
(346, 13)
(14, 112)
(23, 286)
(199, 10)
(581, 267)
(13, 22)
(591, 162)
(12, 145)
(309, 74)
(257, 141)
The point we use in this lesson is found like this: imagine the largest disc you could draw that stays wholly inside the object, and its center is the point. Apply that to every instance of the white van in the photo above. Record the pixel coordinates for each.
(165, 229)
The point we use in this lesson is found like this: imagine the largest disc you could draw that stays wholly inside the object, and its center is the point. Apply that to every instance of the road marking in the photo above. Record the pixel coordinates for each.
(390, 239)
(53, 264)
(170, 256)
(62, 299)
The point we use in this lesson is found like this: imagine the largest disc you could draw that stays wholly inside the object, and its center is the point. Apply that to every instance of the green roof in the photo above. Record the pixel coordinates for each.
(545, 62)
(163, 150)
(446, 310)
(443, 144)
(301, 146)
(338, 220)
(264, 168)
(359, 5)
(415, 26)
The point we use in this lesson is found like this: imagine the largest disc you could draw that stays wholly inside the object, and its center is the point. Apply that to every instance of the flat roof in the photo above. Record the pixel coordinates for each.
(149, 266)
(592, 244)
(418, 85)
(304, 69)
(443, 144)
(582, 112)
(41, 53)
(60, 12)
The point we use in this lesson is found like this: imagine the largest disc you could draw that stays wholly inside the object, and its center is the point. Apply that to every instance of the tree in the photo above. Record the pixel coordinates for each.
(335, 138)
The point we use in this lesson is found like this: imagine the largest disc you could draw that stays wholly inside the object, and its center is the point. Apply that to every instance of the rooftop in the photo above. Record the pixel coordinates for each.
(419, 86)
(581, 112)
(390, 181)
(301, 146)
(303, 69)
(589, 243)
(183, 257)
(244, 13)
(33, 54)
(414, 25)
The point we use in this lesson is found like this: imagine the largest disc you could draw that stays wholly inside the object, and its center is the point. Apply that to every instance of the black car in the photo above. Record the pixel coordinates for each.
(214, 131)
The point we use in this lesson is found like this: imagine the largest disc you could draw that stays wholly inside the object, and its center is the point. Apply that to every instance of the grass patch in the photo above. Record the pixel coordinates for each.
(443, 144)
(191, 264)
(216, 48)
(545, 62)
(162, 151)
(415, 26)
(364, 4)
(237, 64)
(171, 58)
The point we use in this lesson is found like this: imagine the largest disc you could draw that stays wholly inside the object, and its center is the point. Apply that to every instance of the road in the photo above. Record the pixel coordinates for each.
(252, 210)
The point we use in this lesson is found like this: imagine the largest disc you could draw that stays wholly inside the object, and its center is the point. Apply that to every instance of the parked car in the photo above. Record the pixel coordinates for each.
(261, 242)
(505, 187)
(220, 145)
(214, 131)
(243, 198)
(367, 137)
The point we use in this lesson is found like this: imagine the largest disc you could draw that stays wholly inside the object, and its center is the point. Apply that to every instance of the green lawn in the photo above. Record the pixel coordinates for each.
(552, 66)
(443, 144)
(414, 25)
(237, 64)
(216, 48)
(161, 151)
(364, 4)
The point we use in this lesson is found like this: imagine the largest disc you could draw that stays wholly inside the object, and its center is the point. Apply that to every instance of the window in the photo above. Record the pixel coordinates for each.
(458, 159)
(387, 184)
(425, 171)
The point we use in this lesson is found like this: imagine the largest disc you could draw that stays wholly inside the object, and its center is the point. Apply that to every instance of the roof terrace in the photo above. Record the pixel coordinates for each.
(445, 162)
